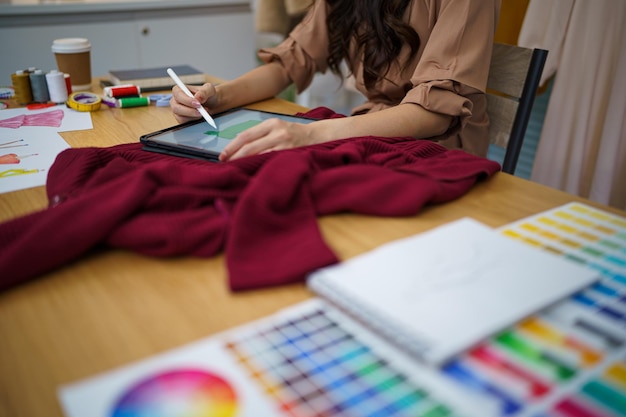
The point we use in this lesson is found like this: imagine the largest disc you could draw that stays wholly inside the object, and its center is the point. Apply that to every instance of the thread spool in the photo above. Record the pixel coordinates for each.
(57, 90)
(122, 91)
(68, 83)
(21, 86)
(133, 102)
(39, 86)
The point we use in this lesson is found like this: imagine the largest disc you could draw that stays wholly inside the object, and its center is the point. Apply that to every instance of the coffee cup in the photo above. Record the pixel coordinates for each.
(73, 56)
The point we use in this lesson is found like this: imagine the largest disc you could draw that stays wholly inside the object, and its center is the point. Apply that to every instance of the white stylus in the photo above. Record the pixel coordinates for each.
(183, 87)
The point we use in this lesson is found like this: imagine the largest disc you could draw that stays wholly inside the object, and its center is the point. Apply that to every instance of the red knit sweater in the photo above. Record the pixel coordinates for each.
(261, 210)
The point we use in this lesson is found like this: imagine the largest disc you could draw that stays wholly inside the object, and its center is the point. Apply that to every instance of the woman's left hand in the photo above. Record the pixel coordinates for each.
(269, 135)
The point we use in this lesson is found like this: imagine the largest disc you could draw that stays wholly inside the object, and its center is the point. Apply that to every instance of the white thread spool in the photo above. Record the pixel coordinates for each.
(56, 86)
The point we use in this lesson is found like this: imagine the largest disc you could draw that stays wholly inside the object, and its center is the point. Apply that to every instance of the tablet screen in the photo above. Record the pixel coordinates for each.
(200, 137)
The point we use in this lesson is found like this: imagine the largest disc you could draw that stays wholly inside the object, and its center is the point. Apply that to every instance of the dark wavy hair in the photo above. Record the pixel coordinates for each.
(376, 28)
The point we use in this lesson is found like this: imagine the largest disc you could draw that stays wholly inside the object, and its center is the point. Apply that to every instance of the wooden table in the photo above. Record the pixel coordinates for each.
(115, 307)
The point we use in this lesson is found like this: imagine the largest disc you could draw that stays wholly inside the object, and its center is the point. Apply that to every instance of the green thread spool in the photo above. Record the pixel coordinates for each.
(133, 102)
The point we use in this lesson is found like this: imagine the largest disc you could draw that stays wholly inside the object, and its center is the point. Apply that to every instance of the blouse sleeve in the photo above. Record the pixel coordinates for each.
(455, 62)
(304, 52)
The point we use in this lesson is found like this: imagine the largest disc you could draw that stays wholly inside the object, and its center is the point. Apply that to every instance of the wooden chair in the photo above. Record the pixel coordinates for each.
(514, 75)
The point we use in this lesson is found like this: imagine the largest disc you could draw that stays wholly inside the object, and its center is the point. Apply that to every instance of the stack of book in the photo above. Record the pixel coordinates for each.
(153, 79)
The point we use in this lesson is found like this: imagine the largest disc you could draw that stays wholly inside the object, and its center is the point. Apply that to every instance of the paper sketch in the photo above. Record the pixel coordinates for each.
(29, 143)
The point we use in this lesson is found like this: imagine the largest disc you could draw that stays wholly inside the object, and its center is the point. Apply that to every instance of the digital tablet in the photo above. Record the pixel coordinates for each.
(197, 139)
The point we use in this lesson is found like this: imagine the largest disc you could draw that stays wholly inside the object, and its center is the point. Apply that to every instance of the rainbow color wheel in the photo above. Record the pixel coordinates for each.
(178, 393)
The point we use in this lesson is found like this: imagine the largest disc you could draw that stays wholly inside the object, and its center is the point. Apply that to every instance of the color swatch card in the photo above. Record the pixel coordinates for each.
(441, 292)
(568, 360)
(306, 361)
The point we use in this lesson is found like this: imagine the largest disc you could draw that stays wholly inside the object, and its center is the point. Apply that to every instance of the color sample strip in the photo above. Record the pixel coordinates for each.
(610, 339)
(617, 260)
(618, 278)
(491, 358)
(476, 382)
(569, 235)
(611, 277)
(600, 307)
(313, 367)
(528, 352)
(588, 356)
(571, 407)
(606, 395)
(612, 293)
(616, 373)
(606, 290)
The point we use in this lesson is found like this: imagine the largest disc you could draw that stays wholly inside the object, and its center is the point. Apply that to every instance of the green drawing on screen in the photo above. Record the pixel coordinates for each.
(232, 131)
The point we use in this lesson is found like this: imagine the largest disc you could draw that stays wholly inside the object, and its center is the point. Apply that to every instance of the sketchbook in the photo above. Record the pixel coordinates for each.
(442, 292)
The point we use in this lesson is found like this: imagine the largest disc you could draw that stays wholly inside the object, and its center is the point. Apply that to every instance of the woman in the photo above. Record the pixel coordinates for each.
(422, 64)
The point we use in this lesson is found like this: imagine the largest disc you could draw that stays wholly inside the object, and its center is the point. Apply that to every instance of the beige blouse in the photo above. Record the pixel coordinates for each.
(448, 75)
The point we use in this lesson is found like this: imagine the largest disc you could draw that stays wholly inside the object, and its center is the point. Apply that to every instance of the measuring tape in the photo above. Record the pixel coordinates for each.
(84, 101)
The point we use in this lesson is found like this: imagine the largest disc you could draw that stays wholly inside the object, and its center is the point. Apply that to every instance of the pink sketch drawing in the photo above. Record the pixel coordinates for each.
(52, 118)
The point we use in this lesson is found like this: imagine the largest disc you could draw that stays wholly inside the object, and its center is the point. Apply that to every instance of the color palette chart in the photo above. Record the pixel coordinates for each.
(309, 360)
(569, 360)
(311, 366)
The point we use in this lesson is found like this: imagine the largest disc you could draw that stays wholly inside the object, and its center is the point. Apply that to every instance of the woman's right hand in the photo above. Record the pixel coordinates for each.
(185, 108)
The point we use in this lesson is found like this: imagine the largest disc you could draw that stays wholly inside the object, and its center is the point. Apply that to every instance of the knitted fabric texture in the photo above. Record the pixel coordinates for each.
(261, 211)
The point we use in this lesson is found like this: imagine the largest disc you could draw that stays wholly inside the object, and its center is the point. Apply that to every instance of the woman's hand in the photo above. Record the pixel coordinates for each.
(269, 135)
(398, 121)
(185, 108)
(260, 83)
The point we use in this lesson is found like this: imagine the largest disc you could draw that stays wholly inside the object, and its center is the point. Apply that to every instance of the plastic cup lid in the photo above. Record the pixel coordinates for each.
(71, 45)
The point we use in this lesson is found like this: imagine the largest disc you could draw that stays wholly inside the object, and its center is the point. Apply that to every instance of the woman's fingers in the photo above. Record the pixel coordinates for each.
(185, 108)
(270, 135)
(249, 142)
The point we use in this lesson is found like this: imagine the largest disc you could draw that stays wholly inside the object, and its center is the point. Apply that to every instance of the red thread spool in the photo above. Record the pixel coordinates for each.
(68, 83)
(122, 91)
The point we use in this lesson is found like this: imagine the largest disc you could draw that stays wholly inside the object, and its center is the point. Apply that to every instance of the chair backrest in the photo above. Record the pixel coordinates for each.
(514, 75)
